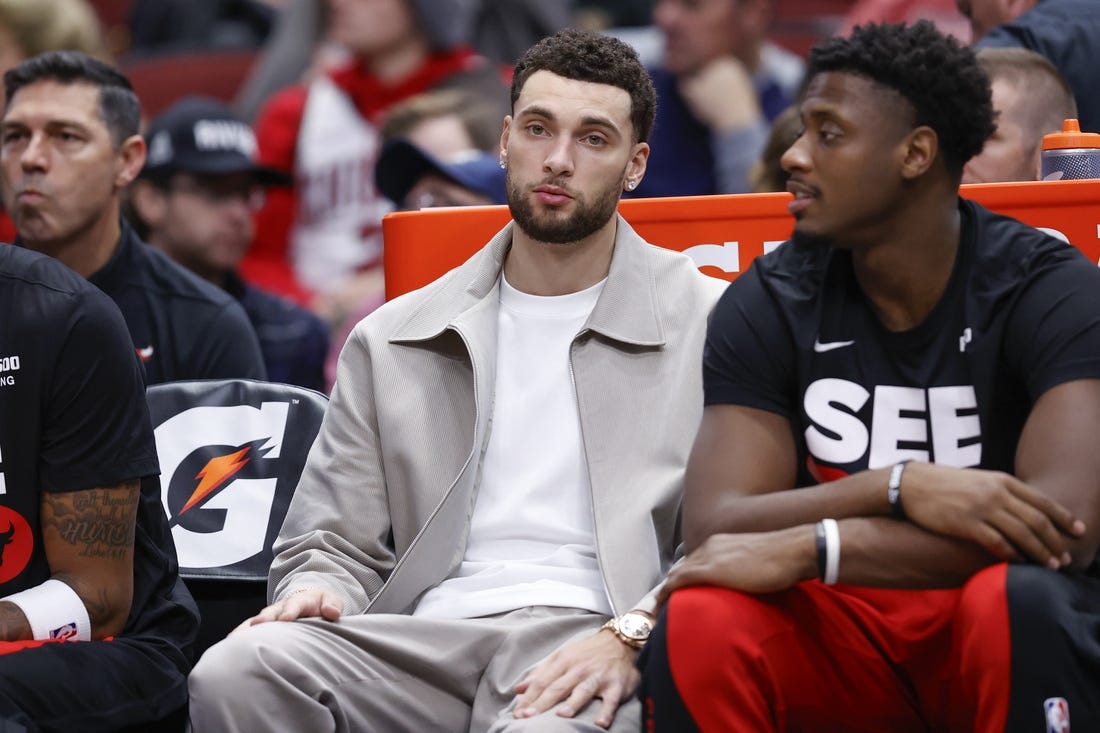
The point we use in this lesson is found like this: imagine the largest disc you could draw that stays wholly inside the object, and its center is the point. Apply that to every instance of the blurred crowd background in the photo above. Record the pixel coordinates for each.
(171, 48)
(363, 107)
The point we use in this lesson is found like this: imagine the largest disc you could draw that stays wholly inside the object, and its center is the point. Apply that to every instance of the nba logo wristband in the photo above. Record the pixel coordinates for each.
(53, 611)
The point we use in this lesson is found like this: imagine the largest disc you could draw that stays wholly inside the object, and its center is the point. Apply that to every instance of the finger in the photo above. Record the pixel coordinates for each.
(581, 695)
(554, 693)
(609, 705)
(331, 607)
(524, 701)
(1054, 542)
(695, 573)
(992, 540)
(293, 608)
(1059, 515)
(533, 688)
(1041, 543)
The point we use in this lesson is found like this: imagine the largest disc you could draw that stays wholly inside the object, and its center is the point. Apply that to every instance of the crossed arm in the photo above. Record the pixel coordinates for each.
(88, 538)
(746, 527)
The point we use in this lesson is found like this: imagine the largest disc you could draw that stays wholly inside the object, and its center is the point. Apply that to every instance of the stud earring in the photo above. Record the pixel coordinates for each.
(630, 185)
(503, 165)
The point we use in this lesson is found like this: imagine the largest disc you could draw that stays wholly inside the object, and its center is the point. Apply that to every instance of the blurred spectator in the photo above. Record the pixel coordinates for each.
(194, 200)
(62, 184)
(414, 179)
(324, 236)
(767, 174)
(286, 56)
(444, 122)
(944, 14)
(720, 84)
(1031, 99)
(504, 29)
(31, 27)
(1066, 32)
(498, 30)
(165, 26)
(447, 124)
(601, 14)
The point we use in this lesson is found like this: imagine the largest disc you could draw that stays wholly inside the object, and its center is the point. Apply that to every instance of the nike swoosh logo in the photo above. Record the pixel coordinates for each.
(821, 348)
(146, 354)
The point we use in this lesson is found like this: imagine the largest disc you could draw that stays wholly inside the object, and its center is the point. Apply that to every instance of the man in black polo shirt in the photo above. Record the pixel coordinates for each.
(70, 145)
(85, 553)
(194, 201)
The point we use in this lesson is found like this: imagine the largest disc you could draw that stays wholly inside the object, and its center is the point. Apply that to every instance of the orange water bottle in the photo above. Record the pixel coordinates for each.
(1070, 154)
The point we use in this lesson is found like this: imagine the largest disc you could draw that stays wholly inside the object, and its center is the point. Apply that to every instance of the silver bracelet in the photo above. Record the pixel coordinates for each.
(893, 490)
(832, 551)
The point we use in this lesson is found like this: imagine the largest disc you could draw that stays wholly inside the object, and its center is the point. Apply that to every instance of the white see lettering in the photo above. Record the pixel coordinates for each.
(927, 422)
(949, 428)
(889, 427)
(850, 441)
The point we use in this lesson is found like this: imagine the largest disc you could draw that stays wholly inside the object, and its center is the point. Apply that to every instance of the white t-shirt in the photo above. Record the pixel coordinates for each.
(532, 538)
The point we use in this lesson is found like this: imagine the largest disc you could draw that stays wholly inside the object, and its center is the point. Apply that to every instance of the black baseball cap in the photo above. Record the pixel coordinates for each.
(401, 164)
(202, 136)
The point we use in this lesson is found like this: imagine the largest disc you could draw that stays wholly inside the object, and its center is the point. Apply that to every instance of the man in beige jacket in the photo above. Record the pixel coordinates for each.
(496, 487)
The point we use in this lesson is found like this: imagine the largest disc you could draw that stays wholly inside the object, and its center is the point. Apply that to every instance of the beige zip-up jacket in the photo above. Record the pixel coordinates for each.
(383, 508)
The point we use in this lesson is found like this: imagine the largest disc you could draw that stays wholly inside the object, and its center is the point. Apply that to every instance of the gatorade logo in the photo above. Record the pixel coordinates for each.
(219, 468)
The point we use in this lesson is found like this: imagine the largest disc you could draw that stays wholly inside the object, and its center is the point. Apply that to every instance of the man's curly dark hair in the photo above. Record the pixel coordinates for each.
(593, 57)
(942, 80)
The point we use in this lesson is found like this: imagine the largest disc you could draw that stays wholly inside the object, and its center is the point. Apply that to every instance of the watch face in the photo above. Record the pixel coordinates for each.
(635, 626)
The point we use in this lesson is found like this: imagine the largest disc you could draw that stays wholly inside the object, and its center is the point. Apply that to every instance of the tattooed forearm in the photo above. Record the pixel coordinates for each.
(98, 603)
(88, 536)
(99, 523)
(13, 624)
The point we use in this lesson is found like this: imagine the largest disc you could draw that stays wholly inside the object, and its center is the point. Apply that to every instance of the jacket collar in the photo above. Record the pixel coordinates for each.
(627, 309)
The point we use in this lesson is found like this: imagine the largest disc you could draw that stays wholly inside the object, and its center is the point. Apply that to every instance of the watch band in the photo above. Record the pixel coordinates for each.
(613, 625)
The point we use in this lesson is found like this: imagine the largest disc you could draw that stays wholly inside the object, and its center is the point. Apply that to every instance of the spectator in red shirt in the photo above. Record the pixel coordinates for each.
(321, 241)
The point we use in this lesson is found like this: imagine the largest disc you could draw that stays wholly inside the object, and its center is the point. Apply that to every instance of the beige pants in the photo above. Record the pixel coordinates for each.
(388, 673)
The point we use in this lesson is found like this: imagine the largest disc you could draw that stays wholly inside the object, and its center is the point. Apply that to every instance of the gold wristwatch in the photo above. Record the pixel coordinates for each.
(632, 628)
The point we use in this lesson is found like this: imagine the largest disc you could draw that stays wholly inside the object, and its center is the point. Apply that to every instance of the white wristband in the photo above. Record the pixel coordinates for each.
(54, 611)
(832, 551)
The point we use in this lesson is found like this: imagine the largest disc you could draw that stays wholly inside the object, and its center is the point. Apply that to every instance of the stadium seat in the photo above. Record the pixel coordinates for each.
(162, 79)
(231, 452)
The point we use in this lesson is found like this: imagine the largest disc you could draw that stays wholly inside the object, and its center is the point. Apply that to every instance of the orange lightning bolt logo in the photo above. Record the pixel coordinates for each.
(215, 474)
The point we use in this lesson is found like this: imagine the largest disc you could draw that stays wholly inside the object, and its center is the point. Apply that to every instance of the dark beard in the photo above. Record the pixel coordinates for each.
(587, 219)
(802, 240)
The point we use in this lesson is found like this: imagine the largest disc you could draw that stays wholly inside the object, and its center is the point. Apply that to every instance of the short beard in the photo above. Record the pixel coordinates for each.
(588, 218)
(804, 240)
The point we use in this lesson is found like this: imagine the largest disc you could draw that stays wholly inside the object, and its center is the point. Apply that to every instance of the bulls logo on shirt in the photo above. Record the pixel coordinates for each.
(849, 425)
(16, 543)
